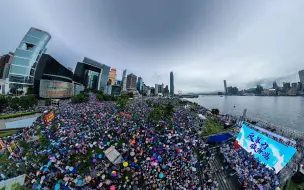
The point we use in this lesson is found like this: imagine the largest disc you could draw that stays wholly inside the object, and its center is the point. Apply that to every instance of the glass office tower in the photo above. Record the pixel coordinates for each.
(26, 58)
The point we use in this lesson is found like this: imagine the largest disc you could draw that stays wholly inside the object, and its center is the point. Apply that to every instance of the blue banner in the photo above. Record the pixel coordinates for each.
(267, 150)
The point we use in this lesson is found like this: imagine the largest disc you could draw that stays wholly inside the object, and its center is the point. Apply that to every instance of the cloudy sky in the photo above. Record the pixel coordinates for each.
(202, 42)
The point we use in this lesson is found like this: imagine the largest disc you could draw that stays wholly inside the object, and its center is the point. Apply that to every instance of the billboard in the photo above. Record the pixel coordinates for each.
(55, 89)
(49, 117)
(265, 149)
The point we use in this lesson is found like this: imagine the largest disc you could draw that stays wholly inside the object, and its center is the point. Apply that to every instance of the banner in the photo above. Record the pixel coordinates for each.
(126, 115)
(268, 151)
(2, 145)
(49, 117)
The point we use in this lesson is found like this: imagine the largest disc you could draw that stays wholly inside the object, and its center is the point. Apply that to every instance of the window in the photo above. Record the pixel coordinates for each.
(31, 40)
(16, 78)
(20, 52)
(23, 61)
(20, 70)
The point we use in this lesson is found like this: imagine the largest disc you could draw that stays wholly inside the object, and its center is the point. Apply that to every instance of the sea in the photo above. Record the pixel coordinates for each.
(287, 111)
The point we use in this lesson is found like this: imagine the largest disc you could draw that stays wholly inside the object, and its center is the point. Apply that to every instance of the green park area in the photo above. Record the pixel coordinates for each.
(295, 186)
(212, 128)
(7, 133)
(20, 114)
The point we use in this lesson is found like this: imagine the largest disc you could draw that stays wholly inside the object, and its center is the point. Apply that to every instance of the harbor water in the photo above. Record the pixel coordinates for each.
(280, 110)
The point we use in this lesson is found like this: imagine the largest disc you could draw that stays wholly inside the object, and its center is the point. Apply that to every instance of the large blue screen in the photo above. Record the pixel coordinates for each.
(267, 150)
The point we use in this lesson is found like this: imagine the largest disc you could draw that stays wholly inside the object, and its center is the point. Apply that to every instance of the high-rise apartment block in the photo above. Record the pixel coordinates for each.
(301, 76)
(139, 85)
(171, 84)
(112, 76)
(225, 87)
(124, 80)
(131, 81)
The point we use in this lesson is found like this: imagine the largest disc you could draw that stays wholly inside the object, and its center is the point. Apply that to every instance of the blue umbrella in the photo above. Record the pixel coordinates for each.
(161, 175)
(57, 186)
(100, 156)
(79, 182)
(71, 168)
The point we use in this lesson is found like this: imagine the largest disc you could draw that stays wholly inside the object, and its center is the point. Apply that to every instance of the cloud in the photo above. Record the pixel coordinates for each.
(203, 42)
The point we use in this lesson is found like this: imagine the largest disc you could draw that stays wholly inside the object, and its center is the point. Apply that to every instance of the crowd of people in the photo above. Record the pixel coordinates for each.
(70, 151)
(252, 173)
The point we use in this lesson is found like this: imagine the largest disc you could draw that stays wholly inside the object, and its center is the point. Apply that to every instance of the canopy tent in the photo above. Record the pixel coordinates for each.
(219, 138)
(202, 117)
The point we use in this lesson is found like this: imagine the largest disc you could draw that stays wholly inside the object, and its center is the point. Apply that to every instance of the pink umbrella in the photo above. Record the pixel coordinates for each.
(112, 187)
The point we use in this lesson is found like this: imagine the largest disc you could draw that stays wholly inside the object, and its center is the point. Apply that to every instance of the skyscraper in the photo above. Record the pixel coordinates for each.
(112, 76)
(156, 90)
(171, 84)
(26, 58)
(301, 76)
(274, 85)
(225, 87)
(139, 84)
(131, 81)
(103, 69)
(124, 80)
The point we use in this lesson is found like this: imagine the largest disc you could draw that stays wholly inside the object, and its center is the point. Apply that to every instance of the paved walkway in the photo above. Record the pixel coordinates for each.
(222, 177)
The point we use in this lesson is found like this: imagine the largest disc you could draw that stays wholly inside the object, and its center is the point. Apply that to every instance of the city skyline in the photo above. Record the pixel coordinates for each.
(249, 52)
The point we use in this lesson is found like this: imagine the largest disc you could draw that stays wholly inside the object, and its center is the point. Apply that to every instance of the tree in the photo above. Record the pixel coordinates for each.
(24, 145)
(14, 103)
(43, 141)
(23, 102)
(16, 186)
(168, 110)
(30, 90)
(122, 102)
(47, 102)
(215, 111)
(3, 102)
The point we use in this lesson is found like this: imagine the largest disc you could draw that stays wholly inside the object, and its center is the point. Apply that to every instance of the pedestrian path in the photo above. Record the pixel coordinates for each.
(221, 176)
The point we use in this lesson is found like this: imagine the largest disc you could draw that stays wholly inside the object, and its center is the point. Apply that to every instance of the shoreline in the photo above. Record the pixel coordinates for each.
(262, 123)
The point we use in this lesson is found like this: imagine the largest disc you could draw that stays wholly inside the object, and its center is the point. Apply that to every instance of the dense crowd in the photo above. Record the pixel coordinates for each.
(69, 153)
(252, 173)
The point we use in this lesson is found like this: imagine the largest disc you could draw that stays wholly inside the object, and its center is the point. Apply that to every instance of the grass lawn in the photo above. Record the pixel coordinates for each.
(294, 186)
(212, 128)
(7, 133)
(8, 116)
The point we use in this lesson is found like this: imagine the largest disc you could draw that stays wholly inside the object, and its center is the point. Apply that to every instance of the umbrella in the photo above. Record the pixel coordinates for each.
(112, 187)
(100, 156)
(114, 173)
(71, 168)
(79, 182)
(161, 175)
(57, 186)
(132, 153)
(125, 164)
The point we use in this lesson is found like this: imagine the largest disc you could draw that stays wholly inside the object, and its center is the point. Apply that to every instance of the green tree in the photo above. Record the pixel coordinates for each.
(14, 103)
(122, 102)
(43, 141)
(215, 111)
(3, 102)
(32, 100)
(168, 110)
(24, 145)
(30, 90)
(16, 186)
(47, 102)
(23, 102)
(156, 114)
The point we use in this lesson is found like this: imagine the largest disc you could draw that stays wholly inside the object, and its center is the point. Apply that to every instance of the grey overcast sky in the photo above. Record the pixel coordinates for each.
(202, 42)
